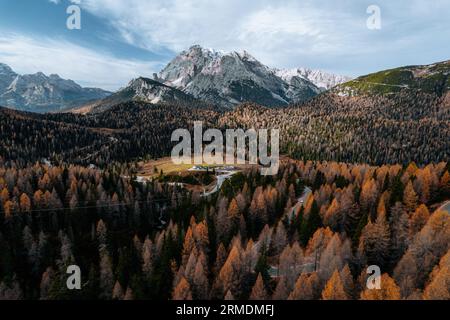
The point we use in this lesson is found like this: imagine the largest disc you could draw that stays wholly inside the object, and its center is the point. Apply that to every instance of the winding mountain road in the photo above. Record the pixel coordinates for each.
(220, 180)
(445, 207)
(300, 201)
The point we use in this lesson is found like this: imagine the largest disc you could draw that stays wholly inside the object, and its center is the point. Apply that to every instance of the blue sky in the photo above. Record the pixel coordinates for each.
(120, 40)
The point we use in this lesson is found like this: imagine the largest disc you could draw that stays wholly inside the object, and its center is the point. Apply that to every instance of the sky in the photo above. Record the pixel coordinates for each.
(120, 40)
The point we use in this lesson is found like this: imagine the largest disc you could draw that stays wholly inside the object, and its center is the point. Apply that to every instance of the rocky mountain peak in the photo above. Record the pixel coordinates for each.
(228, 79)
(142, 82)
(7, 75)
(4, 68)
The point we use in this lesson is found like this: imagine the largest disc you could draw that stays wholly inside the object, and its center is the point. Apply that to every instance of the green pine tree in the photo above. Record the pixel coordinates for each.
(310, 225)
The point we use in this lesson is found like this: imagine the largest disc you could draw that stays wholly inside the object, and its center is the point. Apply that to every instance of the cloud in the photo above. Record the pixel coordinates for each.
(280, 33)
(222, 24)
(83, 65)
(72, 1)
(324, 34)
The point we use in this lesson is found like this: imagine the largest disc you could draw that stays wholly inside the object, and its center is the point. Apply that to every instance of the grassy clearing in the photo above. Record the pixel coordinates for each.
(153, 168)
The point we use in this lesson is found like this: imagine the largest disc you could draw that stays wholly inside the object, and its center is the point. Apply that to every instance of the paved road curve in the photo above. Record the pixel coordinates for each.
(300, 201)
(445, 207)
(220, 180)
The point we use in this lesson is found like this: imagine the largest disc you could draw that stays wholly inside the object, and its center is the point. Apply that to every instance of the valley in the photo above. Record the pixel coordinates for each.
(364, 180)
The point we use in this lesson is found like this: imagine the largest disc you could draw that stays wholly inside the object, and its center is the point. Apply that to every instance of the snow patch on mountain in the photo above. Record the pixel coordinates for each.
(227, 79)
(321, 79)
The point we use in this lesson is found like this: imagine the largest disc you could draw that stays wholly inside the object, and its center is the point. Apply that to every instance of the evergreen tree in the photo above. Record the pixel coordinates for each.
(311, 224)
(334, 289)
(410, 198)
(262, 267)
(182, 291)
(259, 291)
(388, 291)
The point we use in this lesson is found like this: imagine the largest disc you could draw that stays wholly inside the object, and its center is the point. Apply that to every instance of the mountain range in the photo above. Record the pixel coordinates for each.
(392, 116)
(208, 77)
(40, 93)
(224, 80)
(232, 78)
(228, 79)
(195, 75)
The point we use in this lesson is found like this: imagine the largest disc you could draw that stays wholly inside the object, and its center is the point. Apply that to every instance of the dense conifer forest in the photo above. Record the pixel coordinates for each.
(378, 170)
(155, 241)
(401, 128)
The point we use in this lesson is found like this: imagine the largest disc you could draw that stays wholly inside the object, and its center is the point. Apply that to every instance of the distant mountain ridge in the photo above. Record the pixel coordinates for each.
(40, 93)
(225, 80)
(322, 80)
(195, 75)
(7, 75)
(139, 89)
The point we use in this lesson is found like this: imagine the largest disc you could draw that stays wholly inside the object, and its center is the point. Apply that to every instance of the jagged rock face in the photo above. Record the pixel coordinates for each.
(301, 90)
(228, 79)
(320, 79)
(154, 91)
(41, 93)
(6, 77)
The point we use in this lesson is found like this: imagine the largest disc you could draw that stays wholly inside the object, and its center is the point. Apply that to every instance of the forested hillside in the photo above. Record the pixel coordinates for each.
(140, 241)
(400, 128)
(124, 132)
(433, 78)
(404, 127)
(377, 166)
